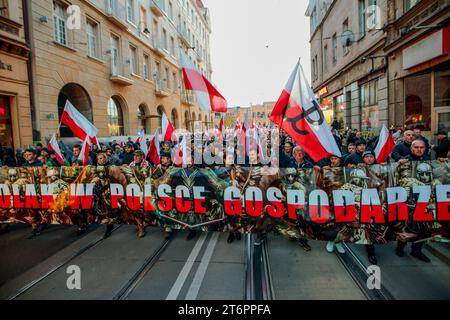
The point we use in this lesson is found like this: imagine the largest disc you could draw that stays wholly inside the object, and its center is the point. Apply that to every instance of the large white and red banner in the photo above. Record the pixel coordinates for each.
(208, 98)
(298, 113)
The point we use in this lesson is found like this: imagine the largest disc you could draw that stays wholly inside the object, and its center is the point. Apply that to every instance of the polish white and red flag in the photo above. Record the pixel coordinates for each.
(209, 99)
(256, 143)
(237, 125)
(138, 139)
(245, 125)
(385, 145)
(143, 142)
(298, 113)
(84, 153)
(53, 146)
(180, 156)
(154, 152)
(221, 124)
(79, 125)
(167, 128)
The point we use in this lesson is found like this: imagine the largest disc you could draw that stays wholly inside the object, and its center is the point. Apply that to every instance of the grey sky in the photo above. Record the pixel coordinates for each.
(244, 70)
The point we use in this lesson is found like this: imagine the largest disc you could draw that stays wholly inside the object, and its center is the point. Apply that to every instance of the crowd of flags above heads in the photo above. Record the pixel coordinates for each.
(297, 112)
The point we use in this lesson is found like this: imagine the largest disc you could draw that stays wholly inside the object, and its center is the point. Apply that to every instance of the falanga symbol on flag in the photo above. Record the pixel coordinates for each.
(298, 113)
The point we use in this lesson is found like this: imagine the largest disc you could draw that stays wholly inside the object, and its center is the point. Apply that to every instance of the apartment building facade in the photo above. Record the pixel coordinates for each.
(349, 66)
(117, 62)
(419, 64)
(258, 114)
(15, 108)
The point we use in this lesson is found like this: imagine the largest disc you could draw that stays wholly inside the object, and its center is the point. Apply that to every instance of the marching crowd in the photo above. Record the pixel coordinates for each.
(357, 149)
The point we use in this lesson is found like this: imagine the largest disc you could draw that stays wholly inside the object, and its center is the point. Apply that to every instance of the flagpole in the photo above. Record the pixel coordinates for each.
(300, 81)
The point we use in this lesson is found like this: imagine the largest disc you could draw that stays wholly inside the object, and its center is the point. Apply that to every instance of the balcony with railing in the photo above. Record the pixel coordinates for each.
(159, 46)
(158, 7)
(161, 89)
(116, 14)
(118, 74)
(199, 56)
(187, 97)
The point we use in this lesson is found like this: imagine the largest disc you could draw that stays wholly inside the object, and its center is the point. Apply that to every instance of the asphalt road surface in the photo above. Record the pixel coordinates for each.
(206, 267)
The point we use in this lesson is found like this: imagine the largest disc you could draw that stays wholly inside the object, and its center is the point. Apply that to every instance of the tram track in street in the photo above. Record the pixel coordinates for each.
(140, 274)
(258, 278)
(358, 272)
(57, 267)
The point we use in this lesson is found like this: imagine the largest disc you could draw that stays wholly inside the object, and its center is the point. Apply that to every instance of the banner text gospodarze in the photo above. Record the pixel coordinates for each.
(366, 204)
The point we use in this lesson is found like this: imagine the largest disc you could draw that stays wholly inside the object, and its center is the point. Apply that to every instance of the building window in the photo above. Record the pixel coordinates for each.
(170, 11)
(92, 38)
(164, 39)
(130, 11)
(142, 117)
(325, 59)
(316, 67)
(418, 100)
(59, 23)
(345, 46)
(339, 109)
(6, 136)
(115, 54)
(410, 3)
(334, 41)
(175, 82)
(146, 67)
(374, 21)
(157, 74)
(313, 65)
(369, 106)
(172, 46)
(115, 117)
(362, 17)
(143, 19)
(167, 78)
(4, 8)
(174, 118)
(133, 60)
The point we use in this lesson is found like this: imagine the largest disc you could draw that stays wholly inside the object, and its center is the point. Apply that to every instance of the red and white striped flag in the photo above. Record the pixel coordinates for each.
(298, 113)
(167, 128)
(79, 125)
(84, 153)
(53, 146)
(143, 143)
(154, 152)
(245, 125)
(238, 125)
(181, 153)
(138, 139)
(209, 99)
(385, 145)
